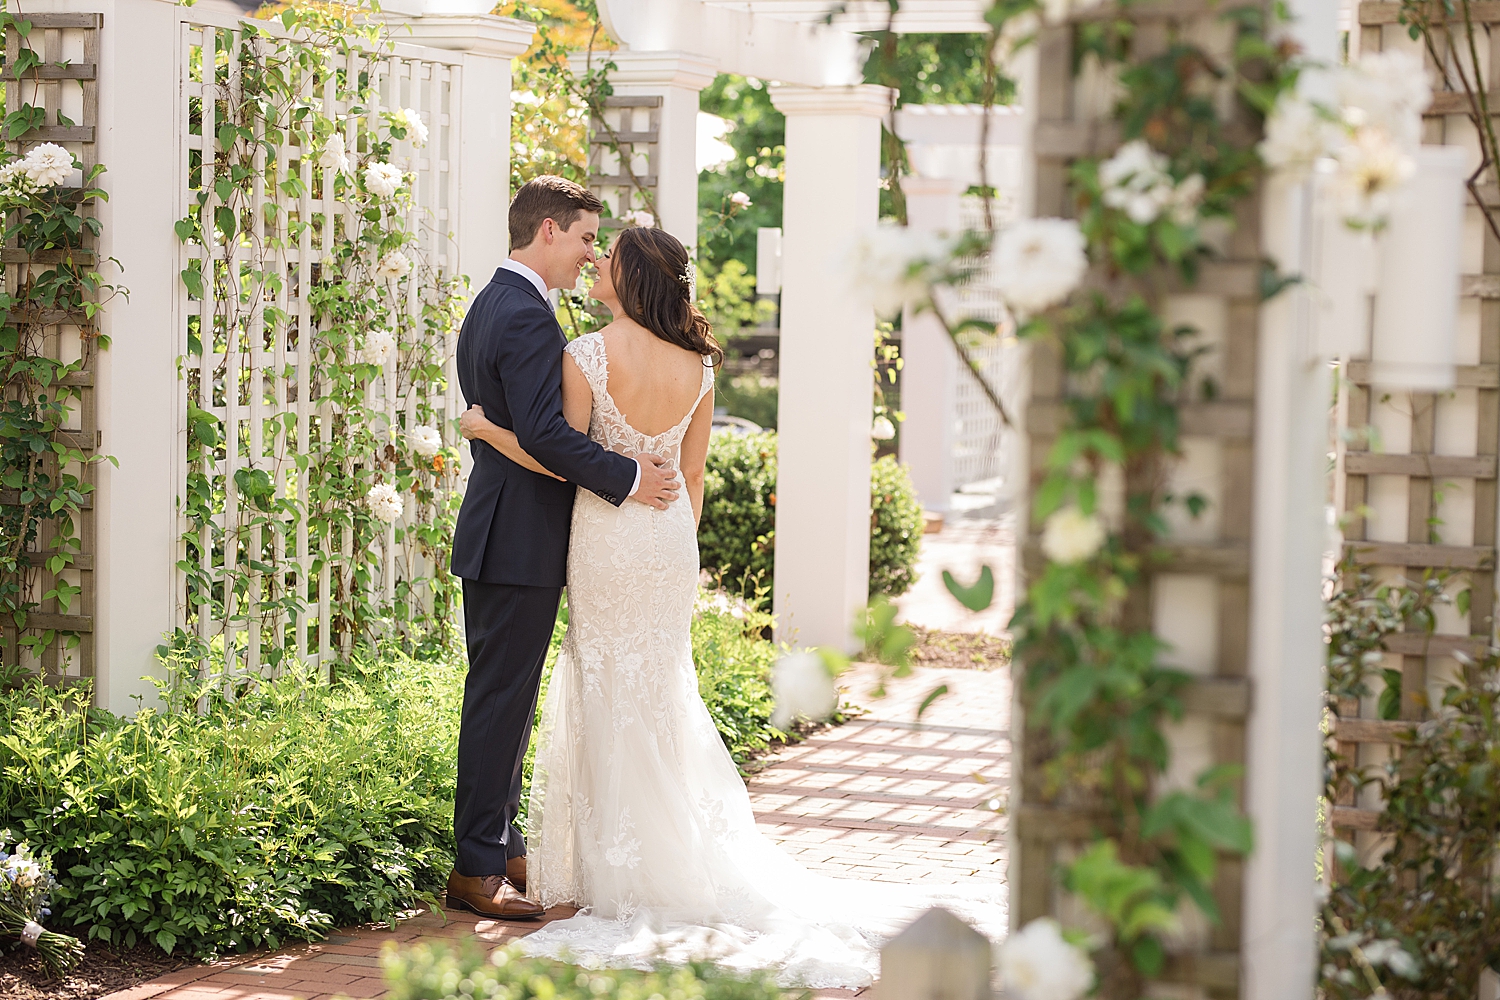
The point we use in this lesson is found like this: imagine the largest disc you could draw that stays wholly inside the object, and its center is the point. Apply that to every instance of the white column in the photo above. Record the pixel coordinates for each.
(489, 44)
(928, 371)
(137, 389)
(677, 78)
(827, 346)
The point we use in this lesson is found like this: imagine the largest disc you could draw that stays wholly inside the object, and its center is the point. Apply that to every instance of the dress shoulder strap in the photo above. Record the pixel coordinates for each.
(588, 352)
(708, 383)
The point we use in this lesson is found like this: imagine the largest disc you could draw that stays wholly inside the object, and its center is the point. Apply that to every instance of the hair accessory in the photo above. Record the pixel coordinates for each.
(687, 277)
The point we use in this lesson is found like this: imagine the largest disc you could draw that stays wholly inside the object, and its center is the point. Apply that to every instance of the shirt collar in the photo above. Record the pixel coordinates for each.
(511, 264)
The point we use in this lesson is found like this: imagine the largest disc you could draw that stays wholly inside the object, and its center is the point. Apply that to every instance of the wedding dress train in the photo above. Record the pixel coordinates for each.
(638, 814)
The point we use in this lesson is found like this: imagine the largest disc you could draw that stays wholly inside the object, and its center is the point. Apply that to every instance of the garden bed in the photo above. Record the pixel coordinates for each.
(104, 971)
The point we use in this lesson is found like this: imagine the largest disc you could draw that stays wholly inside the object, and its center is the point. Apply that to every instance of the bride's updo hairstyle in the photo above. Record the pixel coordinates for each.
(652, 278)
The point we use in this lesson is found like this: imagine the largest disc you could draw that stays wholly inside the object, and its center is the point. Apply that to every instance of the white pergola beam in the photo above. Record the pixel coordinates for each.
(914, 16)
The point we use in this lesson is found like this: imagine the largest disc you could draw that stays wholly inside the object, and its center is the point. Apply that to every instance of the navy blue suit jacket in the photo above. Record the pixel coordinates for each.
(514, 524)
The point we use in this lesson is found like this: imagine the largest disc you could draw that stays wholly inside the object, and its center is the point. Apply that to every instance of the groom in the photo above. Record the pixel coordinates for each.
(511, 543)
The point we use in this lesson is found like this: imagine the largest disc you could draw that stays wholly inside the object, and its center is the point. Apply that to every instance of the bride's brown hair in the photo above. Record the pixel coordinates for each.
(652, 278)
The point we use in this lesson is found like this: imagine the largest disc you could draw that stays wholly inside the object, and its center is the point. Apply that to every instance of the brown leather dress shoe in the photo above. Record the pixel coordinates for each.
(515, 873)
(490, 896)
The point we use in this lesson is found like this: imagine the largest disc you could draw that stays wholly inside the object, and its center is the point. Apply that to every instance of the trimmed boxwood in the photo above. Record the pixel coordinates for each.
(736, 539)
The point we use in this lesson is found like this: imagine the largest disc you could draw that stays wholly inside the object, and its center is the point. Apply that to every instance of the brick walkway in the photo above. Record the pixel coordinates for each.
(879, 798)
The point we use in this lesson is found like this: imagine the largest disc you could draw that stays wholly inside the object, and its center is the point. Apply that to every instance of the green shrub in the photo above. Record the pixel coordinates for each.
(750, 395)
(434, 972)
(736, 539)
(295, 808)
(734, 673)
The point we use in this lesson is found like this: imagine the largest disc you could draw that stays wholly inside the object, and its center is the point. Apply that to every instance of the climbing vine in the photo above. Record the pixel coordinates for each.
(368, 476)
(44, 486)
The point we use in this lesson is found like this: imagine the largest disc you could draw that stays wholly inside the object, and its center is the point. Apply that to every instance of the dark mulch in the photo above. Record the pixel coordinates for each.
(23, 976)
(969, 650)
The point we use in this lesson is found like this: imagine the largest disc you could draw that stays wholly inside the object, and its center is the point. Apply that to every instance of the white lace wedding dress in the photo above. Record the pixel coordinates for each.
(638, 814)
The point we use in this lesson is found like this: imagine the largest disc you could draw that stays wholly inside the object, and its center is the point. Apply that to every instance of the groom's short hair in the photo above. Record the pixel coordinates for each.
(548, 197)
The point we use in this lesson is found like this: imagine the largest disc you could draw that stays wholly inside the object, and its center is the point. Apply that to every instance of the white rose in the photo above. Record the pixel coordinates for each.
(384, 502)
(640, 217)
(1298, 133)
(1038, 964)
(48, 164)
(393, 266)
(14, 179)
(882, 429)
(894, 265)
(803, 689)
(739, 200)
(1182, 206)
(334, 156)
(1389, 90)
(1135, 180)
(416, 129)
(379, 347)
(1038, 262)
(1071, 536)
(425, 441)
(1370, 170)
(383, 180)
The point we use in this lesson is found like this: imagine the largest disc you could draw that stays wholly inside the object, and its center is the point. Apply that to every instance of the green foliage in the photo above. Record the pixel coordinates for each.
(1422, 921)
(727, 298)
(751, 395)
(758, 138)
(299, 806)
(896, 528)
(734, 663)
(434, 972)
(736, 538)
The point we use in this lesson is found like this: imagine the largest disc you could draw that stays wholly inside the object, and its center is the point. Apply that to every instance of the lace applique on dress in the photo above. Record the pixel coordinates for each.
(637, 812)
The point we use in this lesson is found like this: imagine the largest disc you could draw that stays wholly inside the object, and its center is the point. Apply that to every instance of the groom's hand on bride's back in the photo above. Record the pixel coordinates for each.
(659, 483)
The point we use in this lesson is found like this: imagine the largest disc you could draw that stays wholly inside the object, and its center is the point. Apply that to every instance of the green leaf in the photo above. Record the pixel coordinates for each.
(932, 696)
(1148, 956)
(184, 228)
(193, 279)
(977, 596)
(1388, 706)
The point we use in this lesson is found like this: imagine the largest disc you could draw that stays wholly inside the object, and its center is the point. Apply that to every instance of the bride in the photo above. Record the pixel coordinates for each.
(638, 814)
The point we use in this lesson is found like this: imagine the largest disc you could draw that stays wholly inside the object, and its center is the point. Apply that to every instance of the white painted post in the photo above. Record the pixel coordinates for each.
(937, 957)
(137, 390)
(677, 78)
(928, 383)
(1284, 772)
(827, 346)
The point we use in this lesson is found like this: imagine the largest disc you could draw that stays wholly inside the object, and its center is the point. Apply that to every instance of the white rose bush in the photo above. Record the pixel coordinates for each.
(1039, 963)
(383, 317)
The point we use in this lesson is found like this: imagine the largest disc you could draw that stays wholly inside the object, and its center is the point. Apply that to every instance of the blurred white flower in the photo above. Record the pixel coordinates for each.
(334, 156)
(740, 200)
(1388, 90)
(1371, 168)
(379, 348)
(1038, 262)
(882, 429)
(1071, 536)
(1182, 204)
(1401, 962)
(1136, 181)
(393, 265)
(48, 164)
(416, 129)
(640, 217)
(1297, 133)
(1036, 963)
(894, 265)
(384, 502)
(383, 180)
(425, 441)
(803, 688)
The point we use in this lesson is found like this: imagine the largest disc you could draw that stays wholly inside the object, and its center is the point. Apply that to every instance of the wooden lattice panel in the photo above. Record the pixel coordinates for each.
(1418, 477)
(1198, 598)
(622, 155)
(66, 87)
(252, 372)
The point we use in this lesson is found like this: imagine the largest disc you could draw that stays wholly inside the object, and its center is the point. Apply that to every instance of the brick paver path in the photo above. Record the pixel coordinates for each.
(879, 798)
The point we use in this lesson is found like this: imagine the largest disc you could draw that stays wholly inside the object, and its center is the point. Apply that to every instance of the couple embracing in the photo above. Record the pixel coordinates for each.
(637, 815)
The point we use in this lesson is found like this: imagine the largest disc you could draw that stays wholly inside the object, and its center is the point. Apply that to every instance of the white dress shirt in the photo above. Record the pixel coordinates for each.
(511, 264)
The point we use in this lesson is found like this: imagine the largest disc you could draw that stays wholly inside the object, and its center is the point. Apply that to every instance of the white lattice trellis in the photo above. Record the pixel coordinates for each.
(259, 364)
(981, 442)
